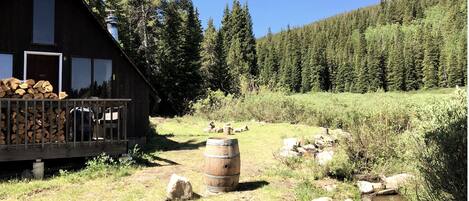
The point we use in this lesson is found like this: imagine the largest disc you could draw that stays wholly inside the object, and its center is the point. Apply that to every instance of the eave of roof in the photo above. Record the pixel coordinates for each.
(97, 20)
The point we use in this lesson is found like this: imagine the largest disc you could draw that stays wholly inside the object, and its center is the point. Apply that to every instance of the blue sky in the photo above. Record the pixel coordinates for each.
(277, 14)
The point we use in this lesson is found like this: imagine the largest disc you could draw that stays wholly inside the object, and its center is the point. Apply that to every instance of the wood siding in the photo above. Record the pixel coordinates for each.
(77, 34)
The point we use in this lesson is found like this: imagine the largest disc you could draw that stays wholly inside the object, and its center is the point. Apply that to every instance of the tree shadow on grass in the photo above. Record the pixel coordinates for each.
(251, 185)
(162, 142)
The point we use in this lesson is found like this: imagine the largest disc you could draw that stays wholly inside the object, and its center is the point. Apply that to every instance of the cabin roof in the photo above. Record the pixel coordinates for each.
(116, 44)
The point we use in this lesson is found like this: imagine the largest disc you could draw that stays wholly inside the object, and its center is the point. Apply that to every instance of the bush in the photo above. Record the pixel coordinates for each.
(340, 167)
(443, 156)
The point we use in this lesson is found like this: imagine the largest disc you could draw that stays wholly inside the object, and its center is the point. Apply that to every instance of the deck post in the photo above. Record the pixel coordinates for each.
(38, 169)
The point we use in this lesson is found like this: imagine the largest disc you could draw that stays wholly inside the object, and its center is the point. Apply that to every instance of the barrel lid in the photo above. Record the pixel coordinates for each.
(221, 141)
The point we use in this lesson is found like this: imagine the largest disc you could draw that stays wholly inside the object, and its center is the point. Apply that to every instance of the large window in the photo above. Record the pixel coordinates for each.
(81, 77)
(6, 66)
(102, 77)
(43, 21)
(91, 78)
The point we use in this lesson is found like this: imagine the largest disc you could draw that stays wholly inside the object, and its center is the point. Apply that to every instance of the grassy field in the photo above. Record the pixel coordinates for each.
(382, 125)
(179, 149)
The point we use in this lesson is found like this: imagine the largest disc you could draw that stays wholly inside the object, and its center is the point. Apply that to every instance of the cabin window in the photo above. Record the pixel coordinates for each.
(102, 77)
(81, 77)
(43, 22)
(6, 66)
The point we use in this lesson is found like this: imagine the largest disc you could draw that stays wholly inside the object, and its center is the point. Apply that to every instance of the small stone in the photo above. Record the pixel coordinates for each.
(365, 187)
(397, 181)
(322, 199)
(324, 157)
(387, 192)
(330, 188)
(179, 188)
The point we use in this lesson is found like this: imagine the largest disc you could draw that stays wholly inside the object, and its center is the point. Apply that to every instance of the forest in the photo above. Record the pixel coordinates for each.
(398, 45)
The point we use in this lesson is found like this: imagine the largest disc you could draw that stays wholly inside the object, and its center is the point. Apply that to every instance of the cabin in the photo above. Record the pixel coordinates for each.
(63, 42)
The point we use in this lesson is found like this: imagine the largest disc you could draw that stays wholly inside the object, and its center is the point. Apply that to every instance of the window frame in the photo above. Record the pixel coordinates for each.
(92, 59)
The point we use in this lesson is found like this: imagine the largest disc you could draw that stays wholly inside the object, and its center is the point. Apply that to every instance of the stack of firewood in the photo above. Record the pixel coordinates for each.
(29, 89)
(38, 124)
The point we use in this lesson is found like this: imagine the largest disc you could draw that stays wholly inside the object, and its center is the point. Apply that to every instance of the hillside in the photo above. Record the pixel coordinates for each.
(397, 45)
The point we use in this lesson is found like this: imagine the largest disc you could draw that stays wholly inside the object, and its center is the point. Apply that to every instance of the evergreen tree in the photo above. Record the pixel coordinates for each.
(430, 60)
(396, 65)
(216, 74)
(249, 43)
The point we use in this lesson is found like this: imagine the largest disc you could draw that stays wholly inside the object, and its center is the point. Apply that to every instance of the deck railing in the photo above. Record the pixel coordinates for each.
(73, 122)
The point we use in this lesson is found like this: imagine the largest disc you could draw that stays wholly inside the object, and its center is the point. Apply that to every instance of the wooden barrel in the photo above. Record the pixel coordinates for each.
(222, 164)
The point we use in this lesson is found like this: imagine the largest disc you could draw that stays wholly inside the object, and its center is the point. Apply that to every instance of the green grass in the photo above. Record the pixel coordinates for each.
(382, 125)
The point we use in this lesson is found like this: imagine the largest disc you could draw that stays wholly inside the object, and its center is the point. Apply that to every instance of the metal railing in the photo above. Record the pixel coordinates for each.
(72, 122)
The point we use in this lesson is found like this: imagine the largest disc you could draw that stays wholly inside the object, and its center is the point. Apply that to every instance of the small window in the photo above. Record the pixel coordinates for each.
(6, 66)
(81, 77)
(102, 77)
(43, 22)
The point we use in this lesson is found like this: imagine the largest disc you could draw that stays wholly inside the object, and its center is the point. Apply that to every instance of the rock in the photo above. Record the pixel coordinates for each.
(324, 157)
(218, 130)
(365, 187)
(287, 153)
(179, 188)
(322, 199)
(348, 199)
(377, 186)
(397, 181)
(387, 192)
(238, 130)
(330, 188)
(290, 143)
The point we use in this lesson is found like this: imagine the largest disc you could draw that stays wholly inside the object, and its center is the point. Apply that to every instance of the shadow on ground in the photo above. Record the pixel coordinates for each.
(251, 185)
(162, 142)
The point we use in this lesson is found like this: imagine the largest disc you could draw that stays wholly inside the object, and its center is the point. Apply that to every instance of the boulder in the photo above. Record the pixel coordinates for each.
(377, 186)
(322, 199)
(365, 187)
(324, 157)
(397, 181)
(291, 143)
(179, 188)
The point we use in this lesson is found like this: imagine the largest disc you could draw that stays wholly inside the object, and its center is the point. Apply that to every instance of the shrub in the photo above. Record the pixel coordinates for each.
(340, 166)
(443, 156)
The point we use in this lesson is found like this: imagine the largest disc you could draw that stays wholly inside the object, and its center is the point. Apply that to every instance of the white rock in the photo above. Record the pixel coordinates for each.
(322, 199)
(287, 153)
(290, 143)
(397, 181)
(330, 188)
(179, 188)
(365, 187)
(324, 157)
(309, 147)
(348, 199)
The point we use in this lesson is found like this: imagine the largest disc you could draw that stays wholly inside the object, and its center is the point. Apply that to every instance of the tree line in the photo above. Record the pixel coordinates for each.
(396, 45)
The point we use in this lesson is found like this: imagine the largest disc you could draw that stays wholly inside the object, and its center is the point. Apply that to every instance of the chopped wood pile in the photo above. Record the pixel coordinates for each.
(29, 89)
(31, 124)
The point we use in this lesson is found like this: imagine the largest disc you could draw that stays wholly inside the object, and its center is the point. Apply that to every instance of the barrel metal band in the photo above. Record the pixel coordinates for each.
(220, 177)
(222, 157)
(222, 142)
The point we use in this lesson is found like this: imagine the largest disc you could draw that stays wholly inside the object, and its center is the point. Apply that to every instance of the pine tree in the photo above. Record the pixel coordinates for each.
(249, 43)
(216, 74)
(430, 60)
(396, 65)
